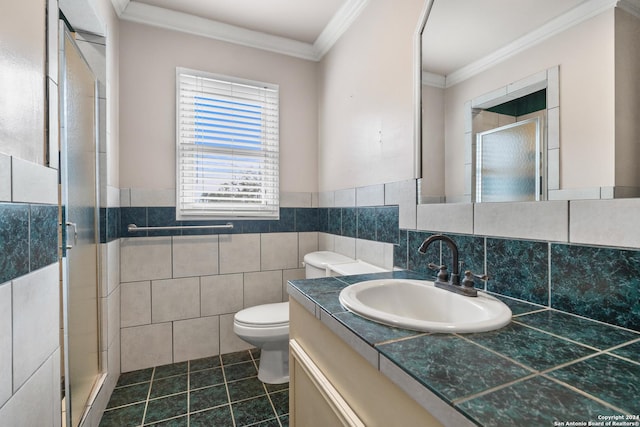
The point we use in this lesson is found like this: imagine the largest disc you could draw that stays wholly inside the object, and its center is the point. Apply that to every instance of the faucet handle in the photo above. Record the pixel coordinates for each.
(468, 282)
(443, 274)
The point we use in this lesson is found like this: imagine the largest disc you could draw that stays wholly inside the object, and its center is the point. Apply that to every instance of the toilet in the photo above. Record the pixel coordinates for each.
(266, 326)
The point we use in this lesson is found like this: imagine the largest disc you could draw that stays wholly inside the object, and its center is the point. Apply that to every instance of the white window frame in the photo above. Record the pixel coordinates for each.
(227, 147)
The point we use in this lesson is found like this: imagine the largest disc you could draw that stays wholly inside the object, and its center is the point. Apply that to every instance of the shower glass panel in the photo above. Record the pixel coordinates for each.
(508, 163)
(79, 200)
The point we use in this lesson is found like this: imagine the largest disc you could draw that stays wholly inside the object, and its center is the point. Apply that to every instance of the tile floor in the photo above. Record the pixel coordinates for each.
(216, 391)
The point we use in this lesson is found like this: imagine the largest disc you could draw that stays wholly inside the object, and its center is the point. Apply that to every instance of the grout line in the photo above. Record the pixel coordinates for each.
(146, 403)
(226, 386)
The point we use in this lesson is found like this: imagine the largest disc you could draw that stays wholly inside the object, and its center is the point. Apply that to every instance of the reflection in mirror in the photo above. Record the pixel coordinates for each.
(569, 64)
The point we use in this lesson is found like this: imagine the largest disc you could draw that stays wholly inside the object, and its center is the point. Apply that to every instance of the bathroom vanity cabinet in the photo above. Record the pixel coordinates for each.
(331, 384)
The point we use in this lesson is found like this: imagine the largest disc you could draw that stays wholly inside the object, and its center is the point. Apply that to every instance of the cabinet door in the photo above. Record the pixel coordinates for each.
(314, 402)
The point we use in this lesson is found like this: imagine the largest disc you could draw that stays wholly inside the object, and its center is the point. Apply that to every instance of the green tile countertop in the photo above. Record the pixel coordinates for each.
(546, 368)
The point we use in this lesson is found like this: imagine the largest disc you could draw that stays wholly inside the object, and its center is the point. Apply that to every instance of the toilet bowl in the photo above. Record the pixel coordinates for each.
(266, 326)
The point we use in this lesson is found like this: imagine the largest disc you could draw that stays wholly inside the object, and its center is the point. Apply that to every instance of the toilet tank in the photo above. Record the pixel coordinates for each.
(315, 263)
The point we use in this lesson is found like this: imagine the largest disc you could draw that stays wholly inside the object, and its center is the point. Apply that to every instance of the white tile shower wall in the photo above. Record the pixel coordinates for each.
(33, 183)
(6, 388)
(30, 350)
(35, 320)
(186, 311)
(30, 405)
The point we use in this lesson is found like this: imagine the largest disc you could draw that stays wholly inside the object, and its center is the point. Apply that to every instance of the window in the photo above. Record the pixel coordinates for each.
(227, 133)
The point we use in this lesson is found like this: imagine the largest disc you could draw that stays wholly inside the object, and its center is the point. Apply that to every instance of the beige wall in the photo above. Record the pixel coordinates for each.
(585, 54)
(366, 99)
(148, 59)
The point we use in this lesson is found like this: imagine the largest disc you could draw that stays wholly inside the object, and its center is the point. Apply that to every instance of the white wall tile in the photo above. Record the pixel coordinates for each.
(143, 197)
(307, 243)
(196, 338)
(146, 346)
(145, 258)
(36, 321)
(605, 222)
(33, 183)
(262, 288)
(135, 304)
(278, 251)
(345, 198)
(112, 330)
(195, 255)
(113, 265)
(113, 196)
(6, 379)
(297, 274)
(376, 253)
(296, 200)
(229, 341)
(327, 199)
(523, 220)
(239, 253)
(372, 195)
(175, 299)
(326, 242)
(5, 178)
(403, 194)
(125, 197)
(345, 246)
(449, 217)
(221, 294)
(33, 403)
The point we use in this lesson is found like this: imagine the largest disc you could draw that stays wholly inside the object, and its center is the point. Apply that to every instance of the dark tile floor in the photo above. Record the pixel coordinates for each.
(216, 391)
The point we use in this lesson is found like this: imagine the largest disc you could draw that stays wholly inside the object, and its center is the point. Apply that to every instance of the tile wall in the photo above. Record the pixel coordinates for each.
(179, 290)
(29, 295)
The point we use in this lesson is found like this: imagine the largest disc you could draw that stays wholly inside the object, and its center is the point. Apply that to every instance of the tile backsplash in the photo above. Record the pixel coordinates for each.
(599, 283)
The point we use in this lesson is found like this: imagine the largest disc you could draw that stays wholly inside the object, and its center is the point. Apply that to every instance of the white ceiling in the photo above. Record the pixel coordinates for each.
(300, 20)
(458, 32)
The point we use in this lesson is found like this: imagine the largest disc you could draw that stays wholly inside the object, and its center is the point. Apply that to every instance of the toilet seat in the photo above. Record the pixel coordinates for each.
(264, 316)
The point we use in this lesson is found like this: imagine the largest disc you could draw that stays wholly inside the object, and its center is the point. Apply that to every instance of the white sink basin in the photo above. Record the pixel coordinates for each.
(419, 305)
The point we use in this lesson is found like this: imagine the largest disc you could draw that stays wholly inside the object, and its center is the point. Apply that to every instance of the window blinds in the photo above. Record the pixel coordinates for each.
(226, 147)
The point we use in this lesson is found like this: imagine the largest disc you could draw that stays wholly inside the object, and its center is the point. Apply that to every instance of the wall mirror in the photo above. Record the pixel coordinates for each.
(534, 101)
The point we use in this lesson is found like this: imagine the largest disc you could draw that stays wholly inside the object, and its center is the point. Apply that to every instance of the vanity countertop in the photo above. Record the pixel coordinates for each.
(546, 368)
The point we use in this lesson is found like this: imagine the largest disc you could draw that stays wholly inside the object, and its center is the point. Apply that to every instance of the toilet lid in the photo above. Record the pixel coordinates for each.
(320, 259)
(265, 315)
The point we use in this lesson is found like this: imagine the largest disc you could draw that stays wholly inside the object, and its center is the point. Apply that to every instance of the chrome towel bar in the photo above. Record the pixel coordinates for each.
(132, 228)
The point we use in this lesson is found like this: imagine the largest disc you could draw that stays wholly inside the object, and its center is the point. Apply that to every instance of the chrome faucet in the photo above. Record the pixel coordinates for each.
(443, 280)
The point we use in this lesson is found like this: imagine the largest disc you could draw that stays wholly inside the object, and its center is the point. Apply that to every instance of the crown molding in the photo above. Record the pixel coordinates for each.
(434, 80)
(574, 17)
(177, 21)
(339, 23)
(159, 17)
(119, 6)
